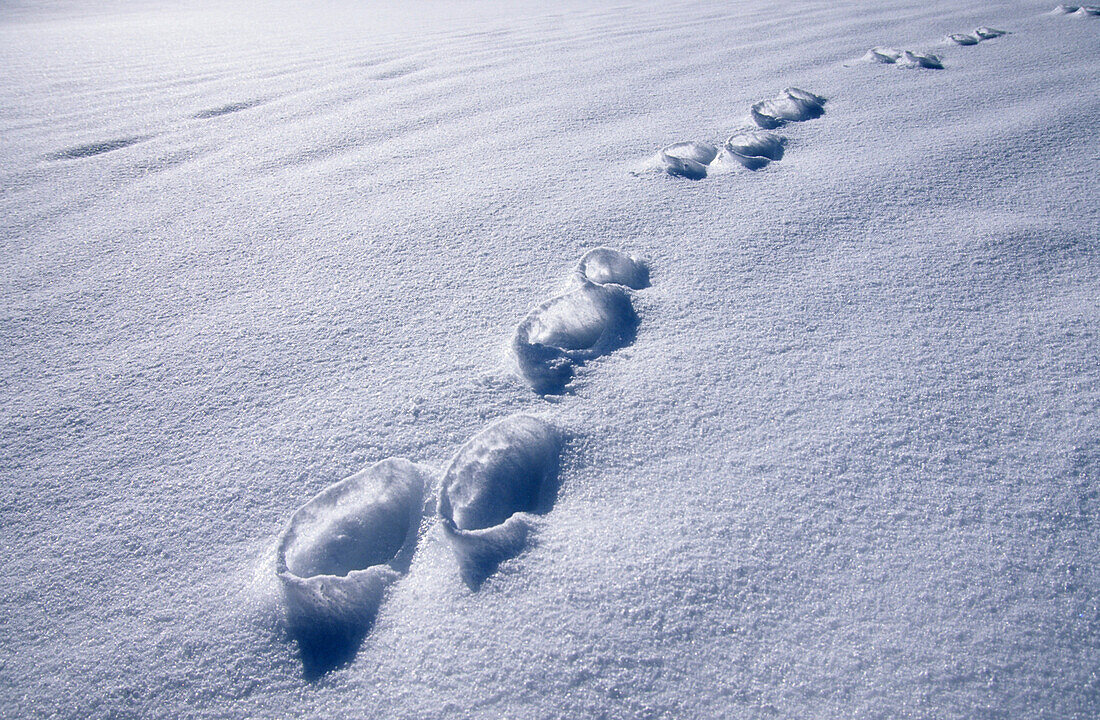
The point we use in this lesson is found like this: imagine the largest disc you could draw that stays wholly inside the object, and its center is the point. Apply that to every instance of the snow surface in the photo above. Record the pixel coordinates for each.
(846, 467)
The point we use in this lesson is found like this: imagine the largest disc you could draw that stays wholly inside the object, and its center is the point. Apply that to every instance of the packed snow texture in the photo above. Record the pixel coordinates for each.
(847, 467)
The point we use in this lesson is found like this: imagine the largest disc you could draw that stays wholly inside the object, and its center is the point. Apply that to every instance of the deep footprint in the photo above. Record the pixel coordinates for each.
(340, 551)
(903, 58)
(752, 149)
(910, 59)
(687, 159)
(592, 318)
(500, 477)
(604, 265)
(979, 34)
(792, 105)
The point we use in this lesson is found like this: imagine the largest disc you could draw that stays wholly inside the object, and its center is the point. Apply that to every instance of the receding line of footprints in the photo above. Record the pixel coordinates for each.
(342, 549)
(749, 148)
(914, 59)
(1078, 10)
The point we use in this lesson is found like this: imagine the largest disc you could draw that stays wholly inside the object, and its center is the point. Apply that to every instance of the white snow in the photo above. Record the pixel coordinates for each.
(841, 460)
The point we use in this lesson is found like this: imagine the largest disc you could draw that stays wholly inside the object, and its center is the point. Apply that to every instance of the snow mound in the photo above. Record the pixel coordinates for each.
(793, 105)
(588, 320)
(340, 551)
(753, 149)
(500, 475)
(987, 33)
(604, 265)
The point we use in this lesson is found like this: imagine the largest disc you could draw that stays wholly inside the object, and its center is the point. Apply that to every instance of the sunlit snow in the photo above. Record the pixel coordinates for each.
(484, 359)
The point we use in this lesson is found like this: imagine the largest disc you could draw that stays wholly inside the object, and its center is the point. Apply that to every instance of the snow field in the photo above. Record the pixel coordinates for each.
(846, 466)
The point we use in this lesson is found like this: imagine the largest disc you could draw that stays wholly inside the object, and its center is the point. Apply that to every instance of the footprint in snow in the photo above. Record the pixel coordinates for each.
(903, 58)
(593, 317)
(792, 105)
(340, 551)
(604, 265)
(1077, 10)
(686, 159)
(495, 483)
(979, 34)
(751, 149)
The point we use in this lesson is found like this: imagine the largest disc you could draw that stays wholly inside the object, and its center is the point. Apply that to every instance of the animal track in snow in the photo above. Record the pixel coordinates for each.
(593, 317)
(96, 148)
(903, 58)
(500, 477)
(340, 551)
(979, 34)
(1077, 10)
(792, 105)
